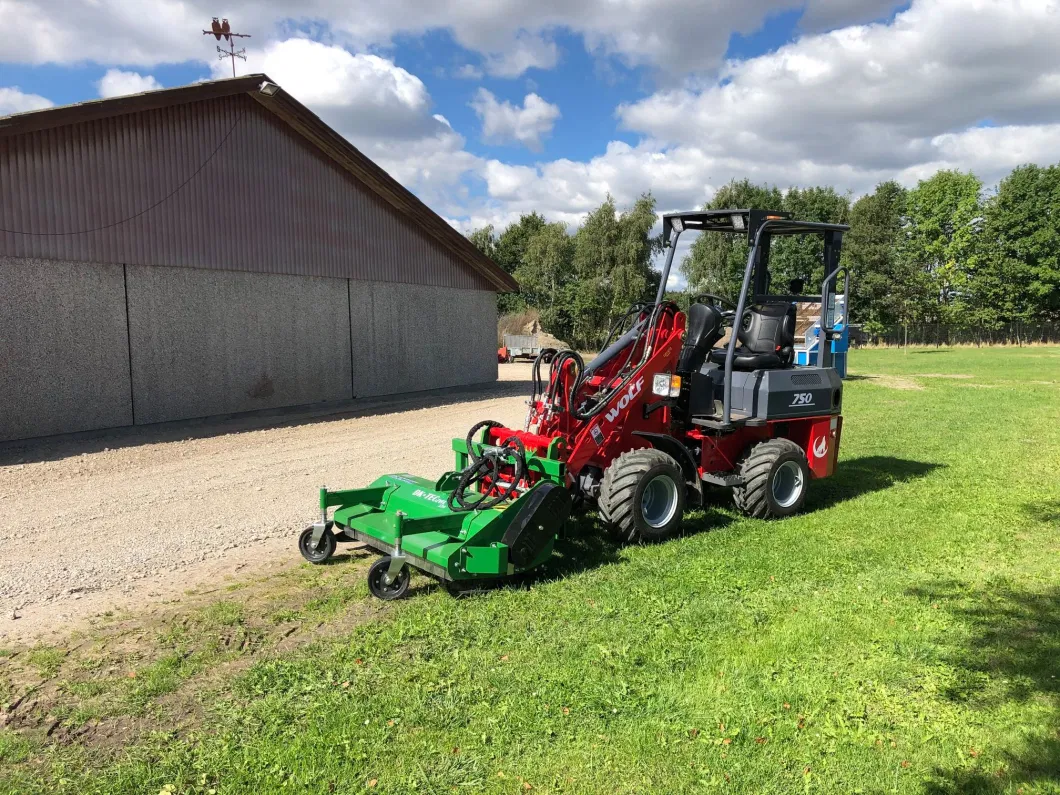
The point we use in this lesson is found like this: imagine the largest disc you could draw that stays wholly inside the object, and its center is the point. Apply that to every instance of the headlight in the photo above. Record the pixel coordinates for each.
(666, 385)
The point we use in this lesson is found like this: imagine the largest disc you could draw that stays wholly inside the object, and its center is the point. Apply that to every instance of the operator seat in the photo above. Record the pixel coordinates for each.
(704, 329)
(766, 337)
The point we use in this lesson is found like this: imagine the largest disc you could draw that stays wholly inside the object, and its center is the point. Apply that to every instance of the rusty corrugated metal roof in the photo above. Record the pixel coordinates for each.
(303, 121)
(145, 188)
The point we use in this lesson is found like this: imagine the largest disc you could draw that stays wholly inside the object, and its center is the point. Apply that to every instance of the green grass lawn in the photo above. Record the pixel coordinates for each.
(902, 635)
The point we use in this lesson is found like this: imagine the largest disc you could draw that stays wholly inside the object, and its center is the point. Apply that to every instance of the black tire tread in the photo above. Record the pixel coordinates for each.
(326, 550)
(755, 467)
(621, 478)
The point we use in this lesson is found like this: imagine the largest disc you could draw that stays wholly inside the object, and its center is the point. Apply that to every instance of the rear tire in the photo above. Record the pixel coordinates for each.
(776, 477)
(642, 496)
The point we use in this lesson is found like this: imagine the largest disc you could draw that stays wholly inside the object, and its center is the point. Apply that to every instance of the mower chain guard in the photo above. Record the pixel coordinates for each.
(547, 507)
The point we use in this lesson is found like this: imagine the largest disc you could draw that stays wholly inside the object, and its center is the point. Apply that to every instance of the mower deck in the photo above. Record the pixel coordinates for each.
(408, 518)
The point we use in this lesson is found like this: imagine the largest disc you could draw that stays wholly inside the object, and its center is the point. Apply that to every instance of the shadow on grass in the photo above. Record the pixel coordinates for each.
(1046, 511)
(857, 476)
(1012, 655)
(586, 543)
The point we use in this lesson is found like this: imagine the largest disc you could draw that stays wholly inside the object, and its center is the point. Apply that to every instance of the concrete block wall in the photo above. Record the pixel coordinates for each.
(410, 337)
(64, 349)
(218, 342)
(85, 346)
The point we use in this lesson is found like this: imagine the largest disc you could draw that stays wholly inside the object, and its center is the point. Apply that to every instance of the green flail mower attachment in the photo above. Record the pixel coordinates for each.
(498, 514)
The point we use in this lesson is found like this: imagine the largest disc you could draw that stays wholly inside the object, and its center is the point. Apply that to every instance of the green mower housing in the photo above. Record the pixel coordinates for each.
(408, 519)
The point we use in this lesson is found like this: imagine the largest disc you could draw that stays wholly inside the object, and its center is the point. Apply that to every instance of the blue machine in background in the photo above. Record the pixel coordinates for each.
(806, 354)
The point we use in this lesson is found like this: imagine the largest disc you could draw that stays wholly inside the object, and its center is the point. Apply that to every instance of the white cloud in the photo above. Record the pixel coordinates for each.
(12, 100)
(991, 152)
(503, 122)
(116, 83)
(874, 97)
(468, 72)
(830, 14)
(363, 96)
(849, 108)
(511, 35)
(524, 51)
(382, 109)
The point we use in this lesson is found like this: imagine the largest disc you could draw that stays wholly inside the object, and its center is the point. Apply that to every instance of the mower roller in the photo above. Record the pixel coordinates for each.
(641, 431)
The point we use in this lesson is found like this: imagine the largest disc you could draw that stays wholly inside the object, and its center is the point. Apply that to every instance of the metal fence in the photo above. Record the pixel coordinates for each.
(938, 334)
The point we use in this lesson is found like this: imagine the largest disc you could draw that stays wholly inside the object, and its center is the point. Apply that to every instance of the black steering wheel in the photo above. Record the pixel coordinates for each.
(728, 316)
(714, 299)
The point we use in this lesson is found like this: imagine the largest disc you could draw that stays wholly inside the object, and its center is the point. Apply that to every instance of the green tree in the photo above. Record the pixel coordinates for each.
(886, 287)
(512, 243)
(612, 267)
(545, 266)
(1018, 273)
(484, 240)
(507, 251)
(943, 213)
(802, 256)
(715, 262)
(511, 250)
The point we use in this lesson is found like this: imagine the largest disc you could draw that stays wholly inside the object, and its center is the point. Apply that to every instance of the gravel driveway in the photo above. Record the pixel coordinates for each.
(107, 521)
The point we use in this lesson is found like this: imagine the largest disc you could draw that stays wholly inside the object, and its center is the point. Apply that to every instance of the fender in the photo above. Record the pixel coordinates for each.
(677, 451)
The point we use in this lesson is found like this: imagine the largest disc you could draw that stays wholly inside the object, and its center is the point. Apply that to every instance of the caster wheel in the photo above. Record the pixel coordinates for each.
(377, 580)
(325, 549)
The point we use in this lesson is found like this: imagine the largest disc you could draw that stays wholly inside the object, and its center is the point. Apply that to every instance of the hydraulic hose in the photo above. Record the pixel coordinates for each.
(620, 324)
(649, 328)
(545, 355)
(560, 359)
(489, 465)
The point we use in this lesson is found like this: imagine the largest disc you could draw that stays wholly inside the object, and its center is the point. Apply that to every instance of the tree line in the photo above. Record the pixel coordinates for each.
(946, 252)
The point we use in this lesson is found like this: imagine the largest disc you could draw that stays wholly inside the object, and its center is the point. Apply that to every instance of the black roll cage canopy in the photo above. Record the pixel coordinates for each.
(760, 227)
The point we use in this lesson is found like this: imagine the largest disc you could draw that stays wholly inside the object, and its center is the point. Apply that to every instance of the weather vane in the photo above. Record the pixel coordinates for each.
(223, 30)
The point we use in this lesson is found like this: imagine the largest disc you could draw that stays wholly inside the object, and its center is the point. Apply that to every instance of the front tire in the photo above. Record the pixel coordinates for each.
(776, 477)
(324, 550)
(642, 496)
(382, 586)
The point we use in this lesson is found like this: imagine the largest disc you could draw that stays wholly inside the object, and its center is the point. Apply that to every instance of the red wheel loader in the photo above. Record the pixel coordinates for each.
(660, 415)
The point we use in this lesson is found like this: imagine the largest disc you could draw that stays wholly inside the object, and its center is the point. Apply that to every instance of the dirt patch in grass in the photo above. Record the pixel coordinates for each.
(133, 675)
(892, 381)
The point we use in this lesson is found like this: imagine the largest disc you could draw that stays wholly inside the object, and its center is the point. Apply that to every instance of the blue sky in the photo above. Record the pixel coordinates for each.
(491, 110)
(587, 88)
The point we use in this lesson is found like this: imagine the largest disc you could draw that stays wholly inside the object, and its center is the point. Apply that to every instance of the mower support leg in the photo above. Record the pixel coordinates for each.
(397, 559)
(318, 533)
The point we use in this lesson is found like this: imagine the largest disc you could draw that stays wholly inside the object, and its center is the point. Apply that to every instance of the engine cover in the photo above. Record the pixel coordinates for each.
(769, 394)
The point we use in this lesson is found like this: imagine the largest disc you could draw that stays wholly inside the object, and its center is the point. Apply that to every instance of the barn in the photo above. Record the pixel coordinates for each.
(217, 248)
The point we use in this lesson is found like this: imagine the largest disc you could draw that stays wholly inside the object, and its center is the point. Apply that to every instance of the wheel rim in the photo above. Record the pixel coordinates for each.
(788, 482)
(658, 501)
(378, 580)
(307, 546)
